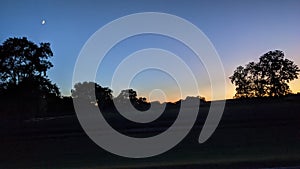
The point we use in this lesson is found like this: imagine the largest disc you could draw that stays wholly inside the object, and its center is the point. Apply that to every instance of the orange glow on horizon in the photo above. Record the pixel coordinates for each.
(230, 91)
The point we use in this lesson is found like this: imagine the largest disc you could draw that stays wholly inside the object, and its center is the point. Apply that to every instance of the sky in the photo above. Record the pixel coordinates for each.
(241, 31)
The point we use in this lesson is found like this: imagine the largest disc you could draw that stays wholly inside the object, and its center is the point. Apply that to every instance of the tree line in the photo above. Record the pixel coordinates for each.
(93, 93)
(26, 90)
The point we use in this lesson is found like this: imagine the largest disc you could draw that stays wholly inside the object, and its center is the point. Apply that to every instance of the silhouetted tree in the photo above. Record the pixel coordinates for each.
(23, 76)
(22, 63)
(85, 90)
(127, 95)
(141, 100)
(93, 93)
(268, 77)
(103, 96)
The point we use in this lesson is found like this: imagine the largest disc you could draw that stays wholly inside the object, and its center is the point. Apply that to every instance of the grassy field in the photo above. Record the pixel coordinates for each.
(252, 134)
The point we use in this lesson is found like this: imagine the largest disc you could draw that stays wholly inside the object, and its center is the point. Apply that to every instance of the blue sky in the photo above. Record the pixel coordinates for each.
(241, 31)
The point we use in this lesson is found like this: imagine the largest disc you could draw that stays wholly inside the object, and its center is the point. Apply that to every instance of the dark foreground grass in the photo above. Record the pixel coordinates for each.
(252, 134)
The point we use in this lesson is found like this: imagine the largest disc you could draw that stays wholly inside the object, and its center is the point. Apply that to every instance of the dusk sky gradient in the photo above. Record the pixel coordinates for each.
(241, 31)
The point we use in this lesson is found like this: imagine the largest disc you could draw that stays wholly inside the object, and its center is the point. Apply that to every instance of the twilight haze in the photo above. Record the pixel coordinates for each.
(241, 31)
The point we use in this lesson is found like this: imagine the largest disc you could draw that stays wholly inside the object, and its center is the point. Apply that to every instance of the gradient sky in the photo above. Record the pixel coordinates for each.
(241, 31)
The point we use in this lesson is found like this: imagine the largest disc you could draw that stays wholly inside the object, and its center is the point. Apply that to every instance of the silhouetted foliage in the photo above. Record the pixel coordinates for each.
(24, 63)
(130, 96)
(24, 84)
(85, 90)
(268, 77)
(93, 93)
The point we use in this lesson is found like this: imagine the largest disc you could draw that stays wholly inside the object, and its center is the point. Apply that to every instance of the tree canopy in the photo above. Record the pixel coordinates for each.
(93, 93)
(25, 64)
(268, 77)
(128, 94)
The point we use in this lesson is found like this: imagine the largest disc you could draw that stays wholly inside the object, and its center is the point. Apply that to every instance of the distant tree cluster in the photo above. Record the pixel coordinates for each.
(268, 77)
(103, 98)
(93, 93)
(27, 92)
